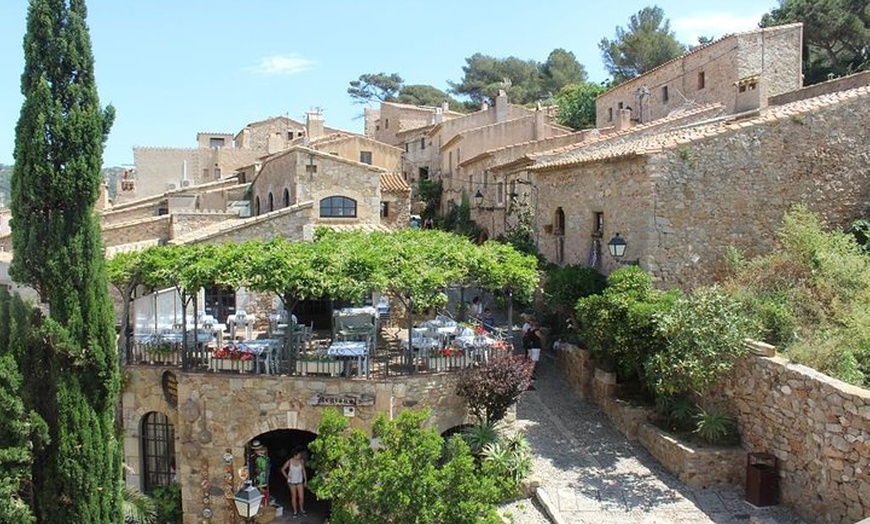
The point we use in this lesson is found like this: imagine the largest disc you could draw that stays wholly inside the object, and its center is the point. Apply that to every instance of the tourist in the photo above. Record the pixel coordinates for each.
(475, 311)
(488, 321)
(297, 480)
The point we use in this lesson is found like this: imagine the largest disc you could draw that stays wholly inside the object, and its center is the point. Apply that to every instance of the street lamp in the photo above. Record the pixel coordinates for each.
(478, 198)
(616, 246)
(248, 501)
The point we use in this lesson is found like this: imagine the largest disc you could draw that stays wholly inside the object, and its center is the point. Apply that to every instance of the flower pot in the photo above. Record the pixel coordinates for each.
(441, 363)
(228, 364)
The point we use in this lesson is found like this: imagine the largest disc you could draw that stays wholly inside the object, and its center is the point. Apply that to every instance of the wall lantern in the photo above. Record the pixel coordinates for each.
(616, 246)
(478, 198)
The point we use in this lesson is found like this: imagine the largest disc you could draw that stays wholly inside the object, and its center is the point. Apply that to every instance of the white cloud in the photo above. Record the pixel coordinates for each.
(689, 28)
(282, 65)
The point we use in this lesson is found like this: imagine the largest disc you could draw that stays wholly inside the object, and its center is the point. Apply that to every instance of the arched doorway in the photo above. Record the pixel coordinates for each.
(278, 446)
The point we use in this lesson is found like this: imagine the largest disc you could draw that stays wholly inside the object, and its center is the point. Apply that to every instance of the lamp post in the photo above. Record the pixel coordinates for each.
(478, 199)
(248, 501)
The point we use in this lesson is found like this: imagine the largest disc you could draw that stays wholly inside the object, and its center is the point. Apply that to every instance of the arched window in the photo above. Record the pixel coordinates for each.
(257, 206)
(286, 197)
(338, 206)
(271, 202)
(158, 452)
(559, 222)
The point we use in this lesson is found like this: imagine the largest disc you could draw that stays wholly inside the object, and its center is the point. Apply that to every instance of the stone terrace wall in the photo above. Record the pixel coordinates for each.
(137, 231)
(819, 430)
(831, 86)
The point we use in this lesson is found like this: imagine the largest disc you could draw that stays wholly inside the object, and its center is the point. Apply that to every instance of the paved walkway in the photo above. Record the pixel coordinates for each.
(595, 475)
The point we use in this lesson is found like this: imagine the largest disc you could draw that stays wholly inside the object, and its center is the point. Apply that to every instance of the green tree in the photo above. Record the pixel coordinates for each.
(426, 95)
(577, 104)
(559, 70)
(485, 75)
(645, 43)
(403, 476)
(375, 87)
(836, 35)
(70, 372)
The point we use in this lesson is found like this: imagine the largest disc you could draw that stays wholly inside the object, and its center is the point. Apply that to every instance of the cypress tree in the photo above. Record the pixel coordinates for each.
(70, 371)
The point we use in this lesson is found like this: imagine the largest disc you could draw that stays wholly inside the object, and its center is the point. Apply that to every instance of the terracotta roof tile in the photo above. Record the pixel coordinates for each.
(394, 183)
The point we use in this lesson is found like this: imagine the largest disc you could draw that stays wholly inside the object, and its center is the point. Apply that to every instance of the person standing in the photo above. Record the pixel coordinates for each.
(476, 309)
(297, 480)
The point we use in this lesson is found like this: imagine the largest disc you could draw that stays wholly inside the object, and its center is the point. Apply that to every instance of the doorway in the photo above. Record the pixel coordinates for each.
(220, 302)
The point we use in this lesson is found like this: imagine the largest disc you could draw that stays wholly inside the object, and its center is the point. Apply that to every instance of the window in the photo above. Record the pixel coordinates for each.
(423, 173)
(257, 206)
(286, 197)
(289, 135)
(365, 157)
(610, 114)
(701, 80)
(665, 96)
(559, 222)
(217, 173)
(458, 156)
(407, 147)
(499, 193)
(450, 161)
(620, 105)
(386, 123)
(385, 209)
(215, 142)
(311, 168)
(338, 206)
(423, 143)
(598, 224)
(158, 451)
(470, 184)
(271, 202)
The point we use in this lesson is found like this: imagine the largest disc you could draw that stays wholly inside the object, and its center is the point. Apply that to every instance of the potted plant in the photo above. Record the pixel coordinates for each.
(309, 364)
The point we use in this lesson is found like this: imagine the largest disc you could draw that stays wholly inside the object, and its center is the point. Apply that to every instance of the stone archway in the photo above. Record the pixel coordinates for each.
(279, 444)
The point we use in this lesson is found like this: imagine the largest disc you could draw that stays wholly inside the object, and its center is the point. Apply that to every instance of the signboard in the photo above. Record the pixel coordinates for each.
(342, 399)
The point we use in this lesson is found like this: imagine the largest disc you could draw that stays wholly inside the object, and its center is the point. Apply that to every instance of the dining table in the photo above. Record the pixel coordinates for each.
(349, 350)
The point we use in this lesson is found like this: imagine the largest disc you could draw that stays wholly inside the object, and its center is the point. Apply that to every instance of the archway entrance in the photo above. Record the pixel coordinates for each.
(278, 446)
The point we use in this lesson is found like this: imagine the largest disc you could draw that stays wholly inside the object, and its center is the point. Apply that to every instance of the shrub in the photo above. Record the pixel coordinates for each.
(167, 502)
(715, 427)
(490, 389)
(479, 436)
(508, 461)
(564, 286)
(618, 326)
(704, 333)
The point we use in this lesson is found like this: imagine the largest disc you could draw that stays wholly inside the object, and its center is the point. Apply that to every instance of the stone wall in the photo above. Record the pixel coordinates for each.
(816, 426)
(137, 231)
(285, 223)
(221, 411)
(832, 86)
(349, 147)
(182, 223)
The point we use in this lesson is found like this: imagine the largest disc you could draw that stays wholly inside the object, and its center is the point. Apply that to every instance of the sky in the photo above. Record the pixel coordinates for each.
(175, 68)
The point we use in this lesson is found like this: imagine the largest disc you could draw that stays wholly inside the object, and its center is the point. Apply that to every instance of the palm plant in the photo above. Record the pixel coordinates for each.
(138, 507)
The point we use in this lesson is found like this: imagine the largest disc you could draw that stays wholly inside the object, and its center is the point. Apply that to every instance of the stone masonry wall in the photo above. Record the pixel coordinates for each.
(831, 86)
(220, 411)
(818, 428)
(733, 188)
(137, 231)
(182, 223)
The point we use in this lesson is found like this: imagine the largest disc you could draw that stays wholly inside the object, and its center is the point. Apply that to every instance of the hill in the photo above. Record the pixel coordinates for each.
(110, 175)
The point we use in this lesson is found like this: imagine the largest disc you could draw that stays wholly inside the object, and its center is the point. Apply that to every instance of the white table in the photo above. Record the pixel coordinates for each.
(351, 349)
(236, 321)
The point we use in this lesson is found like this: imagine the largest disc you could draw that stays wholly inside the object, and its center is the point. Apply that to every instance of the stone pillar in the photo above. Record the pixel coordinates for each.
(314, 125)
(623, 119)
(501, 106)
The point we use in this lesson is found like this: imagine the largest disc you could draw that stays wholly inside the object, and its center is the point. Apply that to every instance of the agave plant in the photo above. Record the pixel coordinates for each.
(479, 436)
(714, 426)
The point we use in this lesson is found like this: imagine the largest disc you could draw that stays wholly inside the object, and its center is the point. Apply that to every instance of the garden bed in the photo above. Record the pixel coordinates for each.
(697, 466)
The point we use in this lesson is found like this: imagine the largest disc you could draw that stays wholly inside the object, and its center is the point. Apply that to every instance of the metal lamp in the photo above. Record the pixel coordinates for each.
(478, 198)
(616, 246)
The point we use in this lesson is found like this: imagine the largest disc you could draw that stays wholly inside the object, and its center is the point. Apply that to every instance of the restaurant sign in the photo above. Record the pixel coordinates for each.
(343, 399)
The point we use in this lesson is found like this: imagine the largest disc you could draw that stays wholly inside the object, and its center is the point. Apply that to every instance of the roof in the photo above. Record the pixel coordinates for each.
(368, 228)
(698, 49)
(226, 226)
(394, 183)
(428, 109)
(460, 134)
(131, 247)
(641, 145)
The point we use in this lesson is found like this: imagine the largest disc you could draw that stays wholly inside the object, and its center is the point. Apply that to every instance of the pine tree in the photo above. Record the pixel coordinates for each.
(71, 375)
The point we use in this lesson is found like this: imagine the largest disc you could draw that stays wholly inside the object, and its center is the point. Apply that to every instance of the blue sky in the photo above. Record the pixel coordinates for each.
(173, 68)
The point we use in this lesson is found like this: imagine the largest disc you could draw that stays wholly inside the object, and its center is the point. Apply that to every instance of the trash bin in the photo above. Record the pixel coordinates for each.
(762, 480)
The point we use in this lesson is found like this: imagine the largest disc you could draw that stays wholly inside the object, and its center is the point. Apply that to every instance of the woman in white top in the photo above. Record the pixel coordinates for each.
(297, 480)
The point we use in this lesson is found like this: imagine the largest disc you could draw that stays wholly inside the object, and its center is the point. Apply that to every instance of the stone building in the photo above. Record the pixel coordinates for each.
(217, 155)
(739, 71)
(680, 197)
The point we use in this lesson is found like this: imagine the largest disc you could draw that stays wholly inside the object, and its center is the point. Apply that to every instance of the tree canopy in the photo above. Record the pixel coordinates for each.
(382, 87)
(577, 104)
(836, 35)
(405, 477)
(646, 42)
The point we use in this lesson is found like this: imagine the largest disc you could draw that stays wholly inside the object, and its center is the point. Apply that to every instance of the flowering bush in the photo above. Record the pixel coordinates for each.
(450, 351)
(232, 353)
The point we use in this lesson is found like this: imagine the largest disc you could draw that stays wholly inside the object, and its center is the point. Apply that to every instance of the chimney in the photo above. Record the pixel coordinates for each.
(501, 106)
(313, 125)
(623, 119)
(439, 115)
(445, 106)
(540, 123)
(484, 106)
